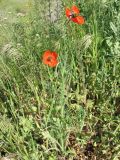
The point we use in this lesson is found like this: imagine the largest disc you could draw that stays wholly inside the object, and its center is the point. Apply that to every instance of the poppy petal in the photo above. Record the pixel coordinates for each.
(74, 20)
(75, 9)
(46, 53)
(45, 57)
(53, 63)
(80, 20)
(54, 54)
(68, 12)
(46, 60)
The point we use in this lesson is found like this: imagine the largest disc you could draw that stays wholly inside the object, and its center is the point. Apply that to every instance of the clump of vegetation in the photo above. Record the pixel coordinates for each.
(68, 105)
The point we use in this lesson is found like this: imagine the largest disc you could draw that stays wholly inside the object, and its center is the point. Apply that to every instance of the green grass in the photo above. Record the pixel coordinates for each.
(70, 111)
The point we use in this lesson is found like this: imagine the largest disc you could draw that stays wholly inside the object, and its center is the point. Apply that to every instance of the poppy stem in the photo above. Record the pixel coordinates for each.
(67, 21)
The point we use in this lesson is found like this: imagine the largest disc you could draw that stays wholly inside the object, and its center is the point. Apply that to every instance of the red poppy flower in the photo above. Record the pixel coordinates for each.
(73, 15)
(50, 58)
